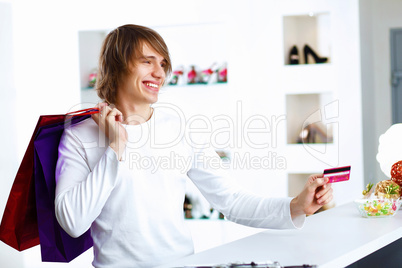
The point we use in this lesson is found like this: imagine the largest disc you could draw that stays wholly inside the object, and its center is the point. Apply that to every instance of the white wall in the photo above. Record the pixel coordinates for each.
(386, 15)
(370, 141)
(41, 44)
(377, 18)
(8, 153)
(43, 40)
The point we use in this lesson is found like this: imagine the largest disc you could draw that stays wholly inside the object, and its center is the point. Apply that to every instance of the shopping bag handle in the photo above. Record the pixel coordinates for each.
(84, 112)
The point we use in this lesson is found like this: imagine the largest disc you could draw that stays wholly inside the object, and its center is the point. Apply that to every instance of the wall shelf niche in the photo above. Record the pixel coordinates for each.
(308, 117)
(310, 29)
(296, 182)
(202, 45)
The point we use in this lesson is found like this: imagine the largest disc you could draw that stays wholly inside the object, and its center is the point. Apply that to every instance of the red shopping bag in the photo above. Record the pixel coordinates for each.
(19, 226)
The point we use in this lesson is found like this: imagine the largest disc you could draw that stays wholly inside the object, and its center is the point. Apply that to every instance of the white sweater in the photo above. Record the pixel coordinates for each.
(134, 207)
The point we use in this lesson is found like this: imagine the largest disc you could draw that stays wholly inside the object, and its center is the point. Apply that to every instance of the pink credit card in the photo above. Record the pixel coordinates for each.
(337, 174)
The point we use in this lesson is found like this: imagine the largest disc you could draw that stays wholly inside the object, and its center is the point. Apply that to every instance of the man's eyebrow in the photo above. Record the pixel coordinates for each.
(148, 57)
(151, 58)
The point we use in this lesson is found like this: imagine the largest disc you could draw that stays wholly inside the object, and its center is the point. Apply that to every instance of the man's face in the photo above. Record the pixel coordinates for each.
(145, 79)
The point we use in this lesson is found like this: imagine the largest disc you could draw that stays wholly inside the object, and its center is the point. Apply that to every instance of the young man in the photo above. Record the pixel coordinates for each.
(136, 213)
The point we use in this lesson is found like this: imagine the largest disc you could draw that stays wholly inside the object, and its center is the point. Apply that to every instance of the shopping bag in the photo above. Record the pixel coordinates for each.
(19, 228)
(56, 245)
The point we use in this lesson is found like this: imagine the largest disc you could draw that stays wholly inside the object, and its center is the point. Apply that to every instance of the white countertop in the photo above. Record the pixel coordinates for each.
(333, 238)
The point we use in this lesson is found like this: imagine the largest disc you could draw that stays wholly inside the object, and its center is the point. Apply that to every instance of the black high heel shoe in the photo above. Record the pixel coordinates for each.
(307, 50)
(294, 56)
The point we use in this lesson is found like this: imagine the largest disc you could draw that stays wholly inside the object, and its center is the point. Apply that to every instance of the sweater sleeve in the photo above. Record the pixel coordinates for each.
(238, 205)
(81, 193)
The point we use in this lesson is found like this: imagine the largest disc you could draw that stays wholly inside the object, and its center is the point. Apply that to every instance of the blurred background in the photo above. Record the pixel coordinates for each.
(49, 50)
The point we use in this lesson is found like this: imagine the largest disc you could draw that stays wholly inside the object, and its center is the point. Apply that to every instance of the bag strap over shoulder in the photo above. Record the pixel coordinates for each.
(83, 112)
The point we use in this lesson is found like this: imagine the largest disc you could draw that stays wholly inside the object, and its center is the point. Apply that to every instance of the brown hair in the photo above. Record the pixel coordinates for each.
(119, 48)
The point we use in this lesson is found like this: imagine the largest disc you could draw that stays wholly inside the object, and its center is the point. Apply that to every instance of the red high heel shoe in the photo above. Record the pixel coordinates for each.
(207, 75)
(192, 76)
(223, 74)
(176, 76)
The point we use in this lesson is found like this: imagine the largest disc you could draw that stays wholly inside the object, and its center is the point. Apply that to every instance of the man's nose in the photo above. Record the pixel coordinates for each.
(159, 71)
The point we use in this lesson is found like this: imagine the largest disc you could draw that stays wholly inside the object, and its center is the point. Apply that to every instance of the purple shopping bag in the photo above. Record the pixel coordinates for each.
(56, 245)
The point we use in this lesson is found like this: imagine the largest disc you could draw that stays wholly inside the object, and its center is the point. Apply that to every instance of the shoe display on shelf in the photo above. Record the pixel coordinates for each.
(92, 78)
(308, 50)
(177, 75)
(223, 74)
(294, 55)
(192, 76)
(216, 73)
(187, 207)
(306, 135)
(209, 75)
(313, 133)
